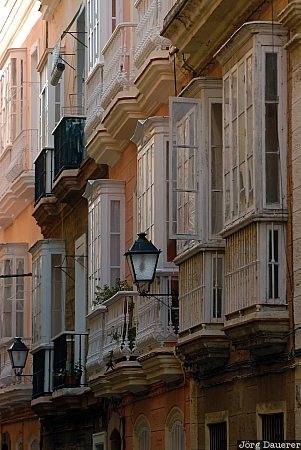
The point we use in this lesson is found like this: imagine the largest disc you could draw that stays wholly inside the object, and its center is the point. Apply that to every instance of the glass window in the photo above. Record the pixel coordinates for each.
(238, 145)
(184, 163)
(105, 234)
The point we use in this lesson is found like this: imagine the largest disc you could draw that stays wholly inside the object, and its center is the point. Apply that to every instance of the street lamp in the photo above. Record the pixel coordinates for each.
(18, 353)
(142, 259)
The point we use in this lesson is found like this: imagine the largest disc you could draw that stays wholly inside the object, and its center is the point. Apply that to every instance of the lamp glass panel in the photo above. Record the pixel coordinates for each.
(19, 358)
(144, 266)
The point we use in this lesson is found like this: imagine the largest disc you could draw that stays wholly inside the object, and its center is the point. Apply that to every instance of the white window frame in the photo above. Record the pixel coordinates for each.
(185, 191)
(281, 91)
(211, 147)
(266, 229)
(233, 160)
(152, 192)
(93, 26)
(203, 93)
(100, 27)
(15, 254)
(50, 106)
(42, 283)
(100, 195)
(13, 102)
(80, 275)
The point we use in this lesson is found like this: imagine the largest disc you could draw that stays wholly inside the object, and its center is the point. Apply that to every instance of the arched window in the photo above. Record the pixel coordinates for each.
(174, 431)
(142, 434)
(115, 440)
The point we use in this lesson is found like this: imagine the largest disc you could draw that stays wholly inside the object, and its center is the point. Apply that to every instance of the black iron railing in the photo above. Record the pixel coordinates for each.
(68, 360)
(69, 144)
(44, 167)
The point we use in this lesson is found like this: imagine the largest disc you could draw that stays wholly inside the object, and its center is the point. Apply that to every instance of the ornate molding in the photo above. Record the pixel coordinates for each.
(290, 16)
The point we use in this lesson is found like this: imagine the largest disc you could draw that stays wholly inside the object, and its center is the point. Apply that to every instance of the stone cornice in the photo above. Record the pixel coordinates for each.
(290, 16)
(245, 33)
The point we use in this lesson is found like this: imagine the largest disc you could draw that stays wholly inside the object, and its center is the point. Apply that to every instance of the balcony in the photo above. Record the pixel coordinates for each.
(256, 316)
(119, 97)
(69, 144)
(151, 14)
(69, 153)
(44, 172)
(94, 92)
(59, 374)
(46, 206)
(155, 76)
(17, 182)
(202, 341)
(130, 344)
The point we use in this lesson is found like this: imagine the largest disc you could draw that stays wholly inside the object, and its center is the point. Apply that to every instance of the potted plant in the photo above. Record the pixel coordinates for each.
(69, 377)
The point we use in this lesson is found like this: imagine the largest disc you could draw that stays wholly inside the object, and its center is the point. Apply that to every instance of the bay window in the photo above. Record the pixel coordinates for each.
(106, 203)
(12, 106)
(151, 137)
(13, 289)
(48, 290)
(254, 95)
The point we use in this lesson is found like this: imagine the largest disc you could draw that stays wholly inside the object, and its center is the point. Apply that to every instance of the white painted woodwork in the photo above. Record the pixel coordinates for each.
(150, 22)
(106, 245)
(119, 70)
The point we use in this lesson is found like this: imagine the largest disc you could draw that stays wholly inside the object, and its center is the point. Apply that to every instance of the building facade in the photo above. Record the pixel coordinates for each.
(179, 119)
(19, 27)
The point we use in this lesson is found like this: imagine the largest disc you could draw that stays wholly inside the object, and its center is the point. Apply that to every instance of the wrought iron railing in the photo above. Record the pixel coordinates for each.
(44, 170)
(69, 360)
(69, 144)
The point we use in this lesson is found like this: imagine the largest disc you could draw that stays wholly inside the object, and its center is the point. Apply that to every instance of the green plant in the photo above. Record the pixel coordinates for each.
(75, 370)
(106, 292)
(60, 374)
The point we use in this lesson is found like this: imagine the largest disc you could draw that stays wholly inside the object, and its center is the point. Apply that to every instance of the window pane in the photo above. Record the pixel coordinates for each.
(216, 169)
(234, 94)
(272, 178)
(271, 77)
(249, 81)
(271, 130)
